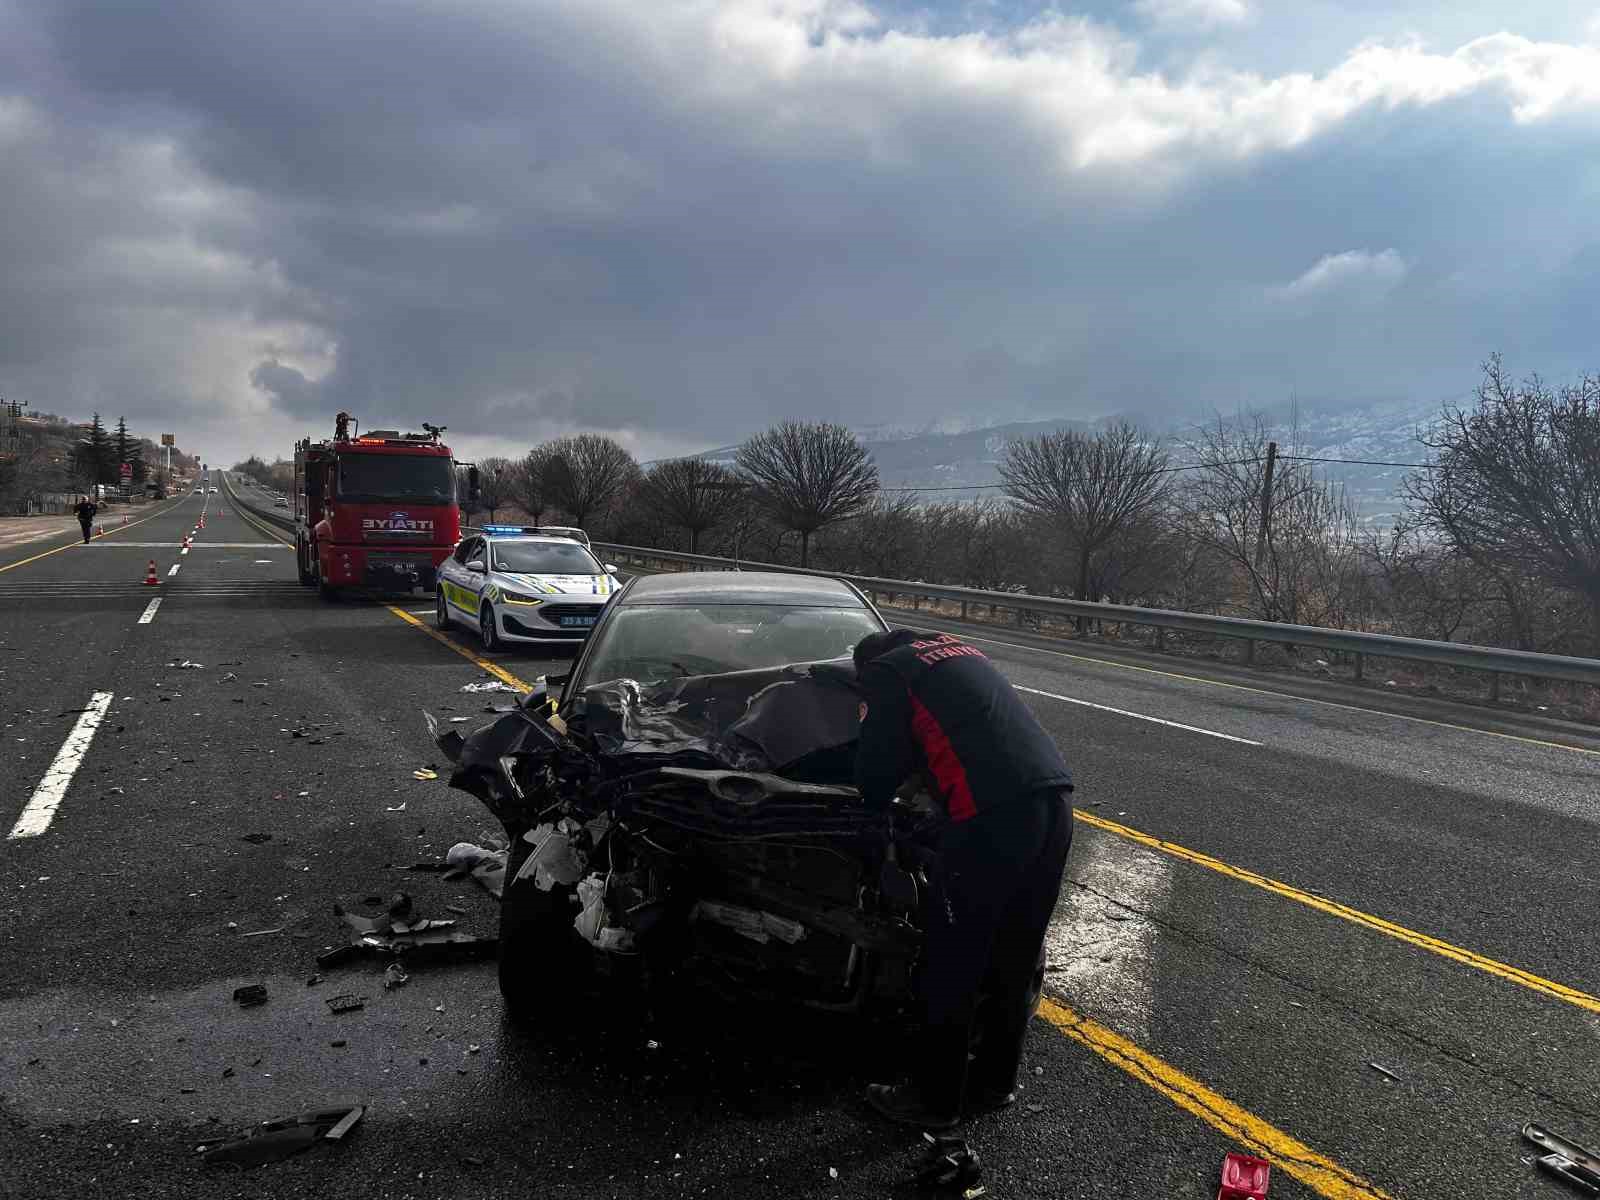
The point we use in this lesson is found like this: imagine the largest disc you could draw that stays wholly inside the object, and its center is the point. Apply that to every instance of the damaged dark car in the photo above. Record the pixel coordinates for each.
(688, 808)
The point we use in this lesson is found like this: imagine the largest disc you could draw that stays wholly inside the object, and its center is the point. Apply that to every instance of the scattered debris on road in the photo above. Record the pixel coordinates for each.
(1383, 1070)
(1565, 1159)
(425, 773)
(951, 1163)
(400, 932)
(262, 932)
(401, 807)
(272, 1141)
(488, 867)
(1244, 1177)
(256, 839)
(185, 665)
(489, 685)
(345, 1002)
(395, 977)
(250, 995)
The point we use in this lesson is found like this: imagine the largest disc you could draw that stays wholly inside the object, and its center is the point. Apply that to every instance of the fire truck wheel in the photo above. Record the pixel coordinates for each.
(327, 591)
(487, 629)
(441, 613)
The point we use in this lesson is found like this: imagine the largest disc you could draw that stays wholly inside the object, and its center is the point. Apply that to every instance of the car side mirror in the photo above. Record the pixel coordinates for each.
(478, 566)
(611, 568)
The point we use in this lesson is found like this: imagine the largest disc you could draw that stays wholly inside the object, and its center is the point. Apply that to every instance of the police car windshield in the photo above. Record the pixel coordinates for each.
(396, 477)
(650, 642)
(544, 558)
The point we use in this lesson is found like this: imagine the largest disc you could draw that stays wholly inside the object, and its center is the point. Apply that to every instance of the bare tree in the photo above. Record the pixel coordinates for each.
(1517, 480)
(530, 487)
(1425, 588)
(1088, 486)
(1299, 564)
(587, 473)
(693, 493)
(809, 476)
(886, 540)
(496, 484)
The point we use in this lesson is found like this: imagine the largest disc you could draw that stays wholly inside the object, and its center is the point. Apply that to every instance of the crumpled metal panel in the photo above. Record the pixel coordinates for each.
(766, 720)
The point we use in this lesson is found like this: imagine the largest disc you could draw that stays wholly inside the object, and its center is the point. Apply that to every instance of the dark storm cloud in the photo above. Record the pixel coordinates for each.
(684, 221)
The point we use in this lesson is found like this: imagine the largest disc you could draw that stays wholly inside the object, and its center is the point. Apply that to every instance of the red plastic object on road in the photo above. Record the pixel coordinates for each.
(150, 579)
(1244, 1177)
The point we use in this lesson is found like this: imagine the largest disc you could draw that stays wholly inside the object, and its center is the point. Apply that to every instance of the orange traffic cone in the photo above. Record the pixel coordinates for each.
(202, 520)
(150, 579)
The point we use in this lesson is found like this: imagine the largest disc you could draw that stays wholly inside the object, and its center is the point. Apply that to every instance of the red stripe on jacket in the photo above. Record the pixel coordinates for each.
(947, 770)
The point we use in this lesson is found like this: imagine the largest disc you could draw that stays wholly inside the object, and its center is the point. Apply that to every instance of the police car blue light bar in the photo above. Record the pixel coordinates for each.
(503, 529)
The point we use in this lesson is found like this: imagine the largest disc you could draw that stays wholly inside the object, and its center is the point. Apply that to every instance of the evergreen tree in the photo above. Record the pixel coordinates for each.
(121, 449)
(95, 464)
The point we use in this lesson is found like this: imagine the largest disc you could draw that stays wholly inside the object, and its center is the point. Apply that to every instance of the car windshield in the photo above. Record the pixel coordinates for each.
(649, 642)
(545, 558)
(396, 477)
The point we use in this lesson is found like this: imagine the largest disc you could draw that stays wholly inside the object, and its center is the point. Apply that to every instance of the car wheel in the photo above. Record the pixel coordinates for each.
(487, 629)
(441, 610)
(543, 963)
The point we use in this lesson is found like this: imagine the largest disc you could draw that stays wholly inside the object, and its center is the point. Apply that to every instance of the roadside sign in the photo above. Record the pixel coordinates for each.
(126, 470)
(169, 439)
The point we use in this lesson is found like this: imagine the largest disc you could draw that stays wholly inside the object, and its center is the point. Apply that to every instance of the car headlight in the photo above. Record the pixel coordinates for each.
(520, 598)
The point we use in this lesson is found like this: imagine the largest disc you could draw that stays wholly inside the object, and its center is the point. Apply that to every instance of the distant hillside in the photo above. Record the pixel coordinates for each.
(1383, 432)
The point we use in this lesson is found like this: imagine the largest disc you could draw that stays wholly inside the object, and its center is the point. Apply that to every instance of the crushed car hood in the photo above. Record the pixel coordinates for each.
(792, 720)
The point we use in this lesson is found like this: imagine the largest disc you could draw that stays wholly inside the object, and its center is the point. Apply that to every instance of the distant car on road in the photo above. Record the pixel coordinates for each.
(517, 587)
(280, 504)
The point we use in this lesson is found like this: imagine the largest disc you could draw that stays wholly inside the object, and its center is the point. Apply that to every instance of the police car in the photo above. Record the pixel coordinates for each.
(515, 584)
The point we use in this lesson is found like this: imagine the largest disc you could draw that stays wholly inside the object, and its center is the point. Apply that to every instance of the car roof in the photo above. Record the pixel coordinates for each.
(534, 538)
(742, 587)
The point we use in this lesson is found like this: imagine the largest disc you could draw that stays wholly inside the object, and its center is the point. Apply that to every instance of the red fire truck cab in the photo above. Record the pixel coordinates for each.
(377, 511)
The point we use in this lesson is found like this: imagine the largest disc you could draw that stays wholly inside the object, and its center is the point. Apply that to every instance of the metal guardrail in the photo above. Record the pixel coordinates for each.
(282, 522)
(1343, 641)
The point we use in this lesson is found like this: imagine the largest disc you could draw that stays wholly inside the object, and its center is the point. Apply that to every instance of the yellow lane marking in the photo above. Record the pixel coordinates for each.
(1260, 691)
(1290, 1155)
(22, 562)
(1422, 941)
(498, 672)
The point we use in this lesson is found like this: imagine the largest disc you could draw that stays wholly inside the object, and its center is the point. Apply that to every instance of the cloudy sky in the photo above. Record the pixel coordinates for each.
(680, 220)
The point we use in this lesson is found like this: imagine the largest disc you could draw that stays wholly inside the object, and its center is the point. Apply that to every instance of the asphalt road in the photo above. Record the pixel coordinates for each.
(1272, 889)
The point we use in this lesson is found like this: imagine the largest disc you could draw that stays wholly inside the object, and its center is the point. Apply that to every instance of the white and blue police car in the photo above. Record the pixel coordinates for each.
(518, 584)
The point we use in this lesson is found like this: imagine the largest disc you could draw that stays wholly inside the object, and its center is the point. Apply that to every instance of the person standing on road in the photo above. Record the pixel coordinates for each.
(86, 510)
(934, 704)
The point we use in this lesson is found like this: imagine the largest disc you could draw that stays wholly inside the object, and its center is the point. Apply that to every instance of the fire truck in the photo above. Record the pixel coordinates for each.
(376, 511)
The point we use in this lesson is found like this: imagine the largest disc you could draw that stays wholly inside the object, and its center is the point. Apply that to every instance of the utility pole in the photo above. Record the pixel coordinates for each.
(1265, 535)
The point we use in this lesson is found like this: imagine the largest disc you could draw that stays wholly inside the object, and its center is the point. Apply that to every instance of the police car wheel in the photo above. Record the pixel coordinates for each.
(487, 630)
(441, 612)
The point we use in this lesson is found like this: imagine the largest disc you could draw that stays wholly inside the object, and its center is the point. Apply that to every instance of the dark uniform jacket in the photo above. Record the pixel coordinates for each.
(86, 511)
(938, 705)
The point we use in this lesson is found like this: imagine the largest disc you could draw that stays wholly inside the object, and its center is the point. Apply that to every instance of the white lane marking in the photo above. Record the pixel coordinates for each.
(52, 789)
(1122, 712)
(1099, 952)
(185, 550)
(175, 545)
(149, 613)
(174, 570)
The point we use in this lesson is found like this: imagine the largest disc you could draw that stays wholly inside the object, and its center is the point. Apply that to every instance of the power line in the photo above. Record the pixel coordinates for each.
(1357, 462)
(1236, 462)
